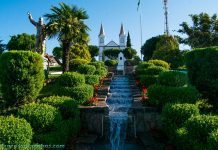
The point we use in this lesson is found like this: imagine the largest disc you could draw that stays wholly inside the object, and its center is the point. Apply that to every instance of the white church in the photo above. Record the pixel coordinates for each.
(111, 45)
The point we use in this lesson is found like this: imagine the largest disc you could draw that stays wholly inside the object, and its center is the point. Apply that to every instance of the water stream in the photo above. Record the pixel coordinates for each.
(119, 101)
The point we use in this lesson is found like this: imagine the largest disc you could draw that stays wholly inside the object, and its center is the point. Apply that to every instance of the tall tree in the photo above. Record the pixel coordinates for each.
(128, 42)
(67, 24)
(203, 32)
(22, 41)
(149, 47)
(129, 53)
(2, 47)
(93, 50)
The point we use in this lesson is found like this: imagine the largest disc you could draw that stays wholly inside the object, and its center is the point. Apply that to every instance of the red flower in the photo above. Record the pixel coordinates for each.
(144, 89)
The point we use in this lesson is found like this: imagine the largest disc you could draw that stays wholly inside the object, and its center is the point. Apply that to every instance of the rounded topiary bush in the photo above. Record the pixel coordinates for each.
(148, 80)
(199, 127)
(154, 70)
(97, 64)
(213, 140)
(92, 79)
(80, 93)
(67, 106)
(102, 72)
(174, 115)
(111, 63)
(21, 76)
(160, 63)
(161, 95)
(173, 78)
(15, 131)
(42, 117)
(69, 79)
(86, 69)
(75, 63)
(141, 67)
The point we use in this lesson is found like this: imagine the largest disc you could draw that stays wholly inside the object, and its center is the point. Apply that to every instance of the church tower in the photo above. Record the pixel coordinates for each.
(122, 37)
(101, 38)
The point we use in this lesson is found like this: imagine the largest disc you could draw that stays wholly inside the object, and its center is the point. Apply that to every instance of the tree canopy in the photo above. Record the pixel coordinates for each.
(129, 53)
(2, 47)
(112, 53)
(22, 41)
(93, 50)
(67, 24)
(202, 33)
(149, 47)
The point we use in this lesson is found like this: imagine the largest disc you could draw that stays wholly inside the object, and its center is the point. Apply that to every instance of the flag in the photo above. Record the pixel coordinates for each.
(138, 5)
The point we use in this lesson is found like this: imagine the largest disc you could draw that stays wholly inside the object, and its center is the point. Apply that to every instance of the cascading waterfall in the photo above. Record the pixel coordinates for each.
(119, 101)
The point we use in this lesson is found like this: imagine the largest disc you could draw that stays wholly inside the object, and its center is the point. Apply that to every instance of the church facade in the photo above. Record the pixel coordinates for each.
(111, 44)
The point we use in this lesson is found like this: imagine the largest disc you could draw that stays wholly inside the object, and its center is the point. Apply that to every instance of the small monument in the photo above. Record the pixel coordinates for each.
(121, 60)
(40, 35)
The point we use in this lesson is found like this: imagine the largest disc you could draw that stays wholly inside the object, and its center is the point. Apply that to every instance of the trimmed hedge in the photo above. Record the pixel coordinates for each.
(174, 115)
(65, 131)
(86, 69)
(15, 131)
(97, 64)
(203, 71)
(154, 70)
(102, 72)
(213, 140)
(160, 95)
(67, 106)
(21, 76)
(75, 63)
(92, 79)
(111, 63)
(173, 78)
(199, 127)
(69, 79)
(42, 117)
(160, 63)
(141, 67)
(80, 93)
(148, 80)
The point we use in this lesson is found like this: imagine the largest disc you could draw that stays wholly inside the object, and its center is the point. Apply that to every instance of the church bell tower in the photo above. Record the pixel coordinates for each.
(122, 37)
(101, 38)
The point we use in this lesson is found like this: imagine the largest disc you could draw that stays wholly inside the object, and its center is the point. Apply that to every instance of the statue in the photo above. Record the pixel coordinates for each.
(40, 35)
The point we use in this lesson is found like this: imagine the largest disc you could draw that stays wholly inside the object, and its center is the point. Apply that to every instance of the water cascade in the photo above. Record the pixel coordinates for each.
(118, 101)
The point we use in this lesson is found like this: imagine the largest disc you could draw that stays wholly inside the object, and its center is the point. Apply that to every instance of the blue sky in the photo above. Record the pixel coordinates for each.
(110, 12)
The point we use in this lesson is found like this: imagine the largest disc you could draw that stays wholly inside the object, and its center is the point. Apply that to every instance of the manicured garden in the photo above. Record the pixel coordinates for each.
(33, 114)
(187, 102)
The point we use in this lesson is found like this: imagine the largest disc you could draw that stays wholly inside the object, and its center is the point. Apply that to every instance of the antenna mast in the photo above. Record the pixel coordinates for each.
(166, 25)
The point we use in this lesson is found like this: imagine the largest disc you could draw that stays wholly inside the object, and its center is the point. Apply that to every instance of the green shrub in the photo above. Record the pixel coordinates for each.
(21, 76)
(141, 67)
(92, 79)
(42, 117)
(160, 63)
(111, 63)
(160, 95)
(15, 131)
(75, 63)
(200, 127)
(174, 115)
(65, 131)
(80, 93)
(97, 64)
(111, 53)
(181, 139)
(172, 78)
(67, 106)
(86, 69)
(154, 70)
(148, 80)
(71, 79)
(203, 71)
(102, 72)
(213, 140)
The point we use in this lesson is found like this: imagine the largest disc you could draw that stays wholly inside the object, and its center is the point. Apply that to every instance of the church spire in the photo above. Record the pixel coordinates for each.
(122, 32)
(101, 31)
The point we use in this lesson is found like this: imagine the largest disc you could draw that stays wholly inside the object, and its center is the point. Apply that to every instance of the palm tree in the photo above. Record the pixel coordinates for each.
(66, 23)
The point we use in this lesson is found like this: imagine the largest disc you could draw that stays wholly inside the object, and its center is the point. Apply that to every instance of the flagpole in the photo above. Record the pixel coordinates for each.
(141, 33)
